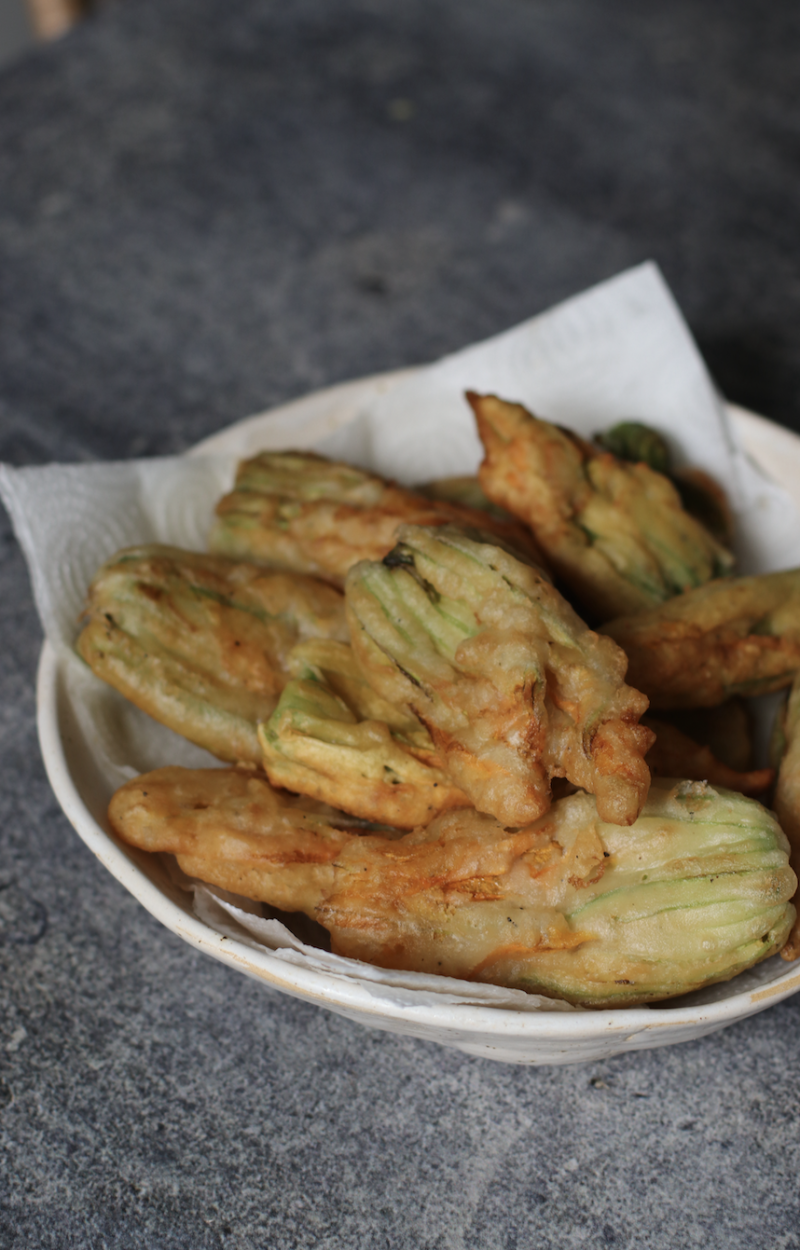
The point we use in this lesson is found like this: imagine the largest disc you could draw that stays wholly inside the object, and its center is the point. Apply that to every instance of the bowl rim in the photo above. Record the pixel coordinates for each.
(774, 445)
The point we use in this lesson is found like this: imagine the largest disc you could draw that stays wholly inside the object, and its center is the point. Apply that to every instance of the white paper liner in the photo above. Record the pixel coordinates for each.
(620, 350)
(69, 518)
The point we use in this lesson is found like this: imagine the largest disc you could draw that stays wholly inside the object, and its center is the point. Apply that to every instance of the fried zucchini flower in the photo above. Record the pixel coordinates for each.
(330, 738)
(230, 828)
(299, 511)
(570, 906)
(335, 664)
(512, 685)
(737, 636)
(702, 496)
(201, 642)
(615, 533)
(787, 793)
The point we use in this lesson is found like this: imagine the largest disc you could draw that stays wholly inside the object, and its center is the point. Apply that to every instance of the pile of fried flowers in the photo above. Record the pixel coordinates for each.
(429, 750)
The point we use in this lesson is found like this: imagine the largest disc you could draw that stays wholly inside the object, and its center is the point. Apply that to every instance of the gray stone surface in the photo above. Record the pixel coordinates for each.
(16, 33)
(206, 208)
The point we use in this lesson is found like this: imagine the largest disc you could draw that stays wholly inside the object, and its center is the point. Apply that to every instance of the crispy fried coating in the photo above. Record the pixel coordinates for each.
(512, 685)
(327, 739)
(696, 891)
(702, 496)
(735, 636)
(675, 754)
(229, 827)
(300, 511)
(335, 664)
(201, 642)
(615, 533)
(786, 802)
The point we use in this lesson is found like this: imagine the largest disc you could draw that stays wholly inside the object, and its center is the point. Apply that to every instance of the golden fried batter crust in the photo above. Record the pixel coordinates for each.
(201, 642)
(615, 533)
(300, 511)
(333, 738)
(231, 828)
(569, 906)
(734, 636)
(513, 686)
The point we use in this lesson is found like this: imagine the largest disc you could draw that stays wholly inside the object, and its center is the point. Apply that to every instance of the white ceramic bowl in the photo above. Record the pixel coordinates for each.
(508, 1035)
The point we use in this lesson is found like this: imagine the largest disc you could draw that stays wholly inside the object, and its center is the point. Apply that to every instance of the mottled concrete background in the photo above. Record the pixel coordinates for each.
(16, 31)
(207, 207)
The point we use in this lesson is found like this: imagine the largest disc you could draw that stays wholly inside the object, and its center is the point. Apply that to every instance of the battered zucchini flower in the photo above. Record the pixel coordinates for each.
(329, 739)
(702, 497)
(737, 636)
(335, 664)
(616, 533)
(200, 642)
(787, 792)
(512, 685)
(694, 892)
(299, 511)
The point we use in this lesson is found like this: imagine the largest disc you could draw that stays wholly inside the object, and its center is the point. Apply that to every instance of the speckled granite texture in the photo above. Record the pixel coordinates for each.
(208, 207)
